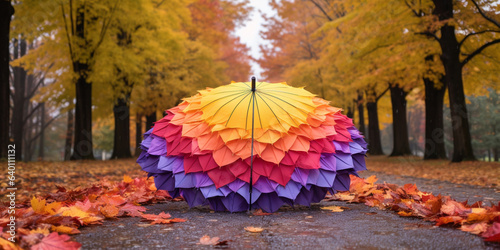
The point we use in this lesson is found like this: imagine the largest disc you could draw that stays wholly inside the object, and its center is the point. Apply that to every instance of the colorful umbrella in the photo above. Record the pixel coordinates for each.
(257, 145)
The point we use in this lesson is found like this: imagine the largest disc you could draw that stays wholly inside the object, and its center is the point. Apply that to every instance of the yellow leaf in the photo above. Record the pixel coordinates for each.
(7, 245)
(406, 214)
(65, 229)
(84, 217)
(372, 179)
(333, 208)
(127, 179)
(41, 230)
(38, 205)
(52, 207)
(344, 196)
(254, 229)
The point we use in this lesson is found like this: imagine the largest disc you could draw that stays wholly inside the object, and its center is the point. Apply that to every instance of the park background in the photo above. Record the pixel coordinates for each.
(82, 80)
(86, 78)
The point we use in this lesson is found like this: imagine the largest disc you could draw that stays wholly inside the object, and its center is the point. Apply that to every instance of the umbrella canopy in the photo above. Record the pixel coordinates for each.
(284, 143)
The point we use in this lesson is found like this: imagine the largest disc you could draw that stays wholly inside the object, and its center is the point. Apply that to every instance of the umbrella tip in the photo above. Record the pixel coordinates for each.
(253, 83)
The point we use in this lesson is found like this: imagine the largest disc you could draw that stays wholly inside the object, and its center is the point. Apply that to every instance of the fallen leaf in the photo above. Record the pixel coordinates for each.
(259, 212)
(476, 228)
(133, 210)
(451, 207)
(127, 179)
(65, 229)
(110, 211)
(449, 219)
(161, 218)
(42, 229)
(7, 245)
(405, 214)
(333, 208)
(493, 233)
(206, 240)
(56, 241)
(372, 179)
(254, 229)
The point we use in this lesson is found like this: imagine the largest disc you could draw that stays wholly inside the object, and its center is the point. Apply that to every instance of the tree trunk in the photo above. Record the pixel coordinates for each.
(150, 120)
(495, 154)
(19, 100)
(138, 134)
(399, 124)
(69, 136)
(82, 146)
(350, 112)
(374, 142)
(462, 146)
(41, 142)
(361, 112)
(121, 145)
(6, 12)
(434, 129)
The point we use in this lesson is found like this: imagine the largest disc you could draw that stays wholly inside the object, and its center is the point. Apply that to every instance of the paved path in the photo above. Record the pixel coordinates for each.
(359, 227)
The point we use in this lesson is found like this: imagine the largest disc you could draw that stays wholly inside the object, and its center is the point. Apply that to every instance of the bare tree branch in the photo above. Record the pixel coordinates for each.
(476, 33)
(31, 113)
(67, 32)
(479, 50)
(491, 20)
(382, 94)
(411, 8)
(321, 9)
(429, 34)
(43, 128)
(105, 26)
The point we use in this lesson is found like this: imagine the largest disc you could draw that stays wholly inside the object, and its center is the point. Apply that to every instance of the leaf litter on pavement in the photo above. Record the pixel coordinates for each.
(63, 203)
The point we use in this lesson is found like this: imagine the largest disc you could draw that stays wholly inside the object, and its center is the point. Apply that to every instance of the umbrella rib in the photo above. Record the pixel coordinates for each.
(226, 96)
(226, 104)
(228, 119)
(284, 92)
(285, 102)
(291, 118)
(248, 112)
(258, 112)
(270, 109)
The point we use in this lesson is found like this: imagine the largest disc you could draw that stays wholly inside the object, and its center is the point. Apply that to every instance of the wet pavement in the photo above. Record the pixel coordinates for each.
(357, 227)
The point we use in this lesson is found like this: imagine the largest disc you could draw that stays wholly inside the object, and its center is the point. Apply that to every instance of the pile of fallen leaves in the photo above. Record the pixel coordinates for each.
(479, 173)
(40, 220)
(409, 201)
(40, 178)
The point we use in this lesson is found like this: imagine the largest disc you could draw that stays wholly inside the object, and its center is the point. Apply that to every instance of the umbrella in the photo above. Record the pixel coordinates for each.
(253, 144)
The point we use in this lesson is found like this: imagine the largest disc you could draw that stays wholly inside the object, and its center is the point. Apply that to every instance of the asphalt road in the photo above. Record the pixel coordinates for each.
(358, 227)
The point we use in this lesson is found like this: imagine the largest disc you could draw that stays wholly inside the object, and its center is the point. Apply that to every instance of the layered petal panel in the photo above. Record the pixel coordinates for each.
(302, 148)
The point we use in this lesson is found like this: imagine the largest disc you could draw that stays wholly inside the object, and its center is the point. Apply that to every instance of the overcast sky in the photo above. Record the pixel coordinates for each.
(249, 33)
